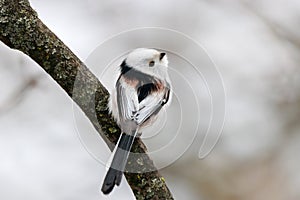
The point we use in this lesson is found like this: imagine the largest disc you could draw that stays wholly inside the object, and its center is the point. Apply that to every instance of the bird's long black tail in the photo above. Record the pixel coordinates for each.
(114, 175)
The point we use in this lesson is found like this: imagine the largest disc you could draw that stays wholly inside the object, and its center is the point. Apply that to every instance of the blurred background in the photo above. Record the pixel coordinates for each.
(255, 45)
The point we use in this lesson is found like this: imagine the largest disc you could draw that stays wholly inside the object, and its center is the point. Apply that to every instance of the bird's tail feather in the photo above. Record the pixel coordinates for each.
(114, 175)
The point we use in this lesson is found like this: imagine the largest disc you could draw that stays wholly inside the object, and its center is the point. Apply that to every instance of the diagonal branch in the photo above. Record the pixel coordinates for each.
(21, 29)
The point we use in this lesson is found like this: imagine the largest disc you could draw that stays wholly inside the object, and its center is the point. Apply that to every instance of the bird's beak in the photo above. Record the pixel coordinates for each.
(161, 56)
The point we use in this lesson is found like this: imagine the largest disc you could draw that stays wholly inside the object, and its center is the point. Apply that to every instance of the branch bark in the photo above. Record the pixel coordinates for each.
(21, 29)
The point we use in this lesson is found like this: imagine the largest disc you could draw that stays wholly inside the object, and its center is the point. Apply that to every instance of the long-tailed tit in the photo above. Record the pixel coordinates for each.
(141, 90)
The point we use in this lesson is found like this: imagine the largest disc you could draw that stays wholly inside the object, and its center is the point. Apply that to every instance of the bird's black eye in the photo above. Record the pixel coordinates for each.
(151, 63)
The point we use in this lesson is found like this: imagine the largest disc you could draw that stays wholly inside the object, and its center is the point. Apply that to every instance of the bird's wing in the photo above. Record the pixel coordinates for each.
(151, 105)
(127, 101)
(131, 110)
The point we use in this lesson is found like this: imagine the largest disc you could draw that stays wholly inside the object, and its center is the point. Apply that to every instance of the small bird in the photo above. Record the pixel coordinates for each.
(142, 89)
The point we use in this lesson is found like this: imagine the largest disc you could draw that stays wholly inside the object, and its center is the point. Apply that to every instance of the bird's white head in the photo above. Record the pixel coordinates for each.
(148, 61)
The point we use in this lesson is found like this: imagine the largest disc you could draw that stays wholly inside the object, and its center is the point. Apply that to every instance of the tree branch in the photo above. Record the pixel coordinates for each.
(21, 29)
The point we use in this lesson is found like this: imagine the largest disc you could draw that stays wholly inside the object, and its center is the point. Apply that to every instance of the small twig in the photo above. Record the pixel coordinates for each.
(19, 94)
